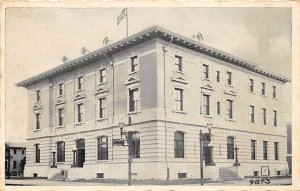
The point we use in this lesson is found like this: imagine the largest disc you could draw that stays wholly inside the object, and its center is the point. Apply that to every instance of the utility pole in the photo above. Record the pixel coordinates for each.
(129, 159)
(201, 157)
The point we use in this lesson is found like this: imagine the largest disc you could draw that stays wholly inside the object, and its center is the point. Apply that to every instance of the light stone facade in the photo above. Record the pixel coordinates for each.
(156, 118)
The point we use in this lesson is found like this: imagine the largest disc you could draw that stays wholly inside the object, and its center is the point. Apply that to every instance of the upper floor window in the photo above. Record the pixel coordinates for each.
(264, 116)
(206, 104)
(276, 150)
(205, 71)
(178, 63)
(229, 78)
(178, 144)
(274, 92)
(23, 151)
(275, 118)
(230, 147)
(61, 151)
(61, 89)
(133, 99)
(37, 153)
(251, 114)
(80, 114)
(135, 145)
(102, 148)
(178, 99)
(218, 76)
(253, 149)
(15, 151)
(263, 89)
(102, 76)
(218, 108)
(134, 64)
(14, 164)
(251, 85)
(61, 116)
(265, 150)
(37, 121)
(102, 107)
(80, 83)
(38, 96)
(230, 109)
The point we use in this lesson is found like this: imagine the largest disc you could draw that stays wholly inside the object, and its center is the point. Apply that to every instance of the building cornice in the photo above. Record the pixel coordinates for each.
(139, 38)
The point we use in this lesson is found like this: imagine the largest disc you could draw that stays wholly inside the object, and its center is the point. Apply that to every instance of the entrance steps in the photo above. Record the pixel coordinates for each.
(58, 177)
(226, 174)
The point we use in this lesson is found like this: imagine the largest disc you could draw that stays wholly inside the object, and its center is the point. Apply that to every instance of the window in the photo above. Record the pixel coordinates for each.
(218, 108)
(102, 108)
(38, 96)
(61, 89)
(253, 149)
(102, 75)
(264, 116)
(205, 71)
(80, 83)
(206, 104)
(15, 151)
(133, 99)
(178, 144)
(37, 153)
(218, 76)
(251, 85)
(61, 151)
(14, 164)
(230, 148)
(178, 63)
(229, 78)
(37, 121)
(275, 118)
(134, 64)
(229, 109)
(80, 112)
(178, 99)
(251, 114)
(265, 150)
(61, 115)
(276, 150)
(23, 151)
(135, 145)
(263, 89)
(102, 148)
(274, 91)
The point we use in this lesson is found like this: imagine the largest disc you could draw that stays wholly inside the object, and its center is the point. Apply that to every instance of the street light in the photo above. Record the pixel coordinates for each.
(205, 137)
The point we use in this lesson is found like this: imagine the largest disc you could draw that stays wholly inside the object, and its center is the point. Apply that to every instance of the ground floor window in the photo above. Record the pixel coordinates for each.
(61, 151)
(230, 148)
(135, 145)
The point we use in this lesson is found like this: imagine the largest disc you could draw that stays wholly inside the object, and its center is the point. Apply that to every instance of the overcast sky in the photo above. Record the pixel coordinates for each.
(38, 38)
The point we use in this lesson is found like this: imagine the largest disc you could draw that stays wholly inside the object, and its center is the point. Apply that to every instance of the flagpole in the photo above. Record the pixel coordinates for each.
(126, 22)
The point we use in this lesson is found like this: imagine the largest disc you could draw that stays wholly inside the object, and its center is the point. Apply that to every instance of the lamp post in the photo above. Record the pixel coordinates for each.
(236, 157)
(53, 160)
(206, 137)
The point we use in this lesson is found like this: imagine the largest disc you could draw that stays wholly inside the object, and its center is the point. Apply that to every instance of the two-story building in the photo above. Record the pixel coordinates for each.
(165, 88)
(15, 153)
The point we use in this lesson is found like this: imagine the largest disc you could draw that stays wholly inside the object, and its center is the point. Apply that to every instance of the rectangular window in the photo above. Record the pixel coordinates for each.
(61, 151)
(265, 150)
(178, 145)
(264, 116)
(37, 121)
(37, 153)
(253, 149)
(206, 104)
(229, 109)
(229, 78)
(274, 92)
(275, 118)
(80, 83)
(135, 145)
(38, 96)
(205, 71)
(102, 75)
(80, 112)
(14, 164)
(23, 151)
(134, 63)
(102, 108)
(15, 151)
(133, 99)
(61, 116)
(263, 89)
(178, 63)
(251, 85)
(178, 99)
(218, 108)
(218, 76)
(276, 150)
(61, 88)
(103, 148)
(251, 114)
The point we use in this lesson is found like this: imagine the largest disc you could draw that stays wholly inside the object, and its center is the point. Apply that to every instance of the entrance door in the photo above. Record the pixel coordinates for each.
(80, 145)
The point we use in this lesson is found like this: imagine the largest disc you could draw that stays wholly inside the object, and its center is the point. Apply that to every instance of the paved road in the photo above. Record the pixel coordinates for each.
(44, 182)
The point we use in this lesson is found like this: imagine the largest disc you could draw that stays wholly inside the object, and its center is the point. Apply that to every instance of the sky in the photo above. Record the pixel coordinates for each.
(38, 38)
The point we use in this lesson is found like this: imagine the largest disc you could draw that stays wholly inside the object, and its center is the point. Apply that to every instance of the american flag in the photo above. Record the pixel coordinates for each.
(122, 16)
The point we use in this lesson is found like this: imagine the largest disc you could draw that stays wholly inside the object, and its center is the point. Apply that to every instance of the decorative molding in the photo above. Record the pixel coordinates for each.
(179, 77)
(37, 106)
(79, 95)
(60, 101)
(100, 90)
(131, 80)
(207, 87)
(229, 92)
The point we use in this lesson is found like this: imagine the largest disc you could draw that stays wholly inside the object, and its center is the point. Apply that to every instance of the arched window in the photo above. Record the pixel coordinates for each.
(61, 151)
(135, 145)
(102, 148)
(178, 144)
(230, 148)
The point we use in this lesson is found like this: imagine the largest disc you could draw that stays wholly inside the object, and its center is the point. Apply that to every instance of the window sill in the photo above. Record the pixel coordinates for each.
(208, 116)
(102, 83)
(232, 120)
(182, 112)
(275, 98)
(132, 73)
(251, 92)
(60, 163)
(61, 96)
(206, 79)
(102, 119)
(37, 130)
(133, 112)
(60, 127)
(179, 72)
(102, 161)
(81, 90)
(79, 123)
(263, 95)
(231, 86)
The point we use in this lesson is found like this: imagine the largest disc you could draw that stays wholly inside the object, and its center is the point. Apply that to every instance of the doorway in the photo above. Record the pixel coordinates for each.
(80, 146)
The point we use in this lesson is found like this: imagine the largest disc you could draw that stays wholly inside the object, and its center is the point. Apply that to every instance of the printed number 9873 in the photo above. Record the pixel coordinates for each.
(257, 181)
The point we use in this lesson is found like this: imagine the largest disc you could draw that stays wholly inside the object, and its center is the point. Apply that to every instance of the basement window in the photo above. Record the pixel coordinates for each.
(278, 172)
(255, 173)
(100, 175)
(181, 175)
(35, 175)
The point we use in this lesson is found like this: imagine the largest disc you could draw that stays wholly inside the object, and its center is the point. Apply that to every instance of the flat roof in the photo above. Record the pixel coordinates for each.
(143, 36)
